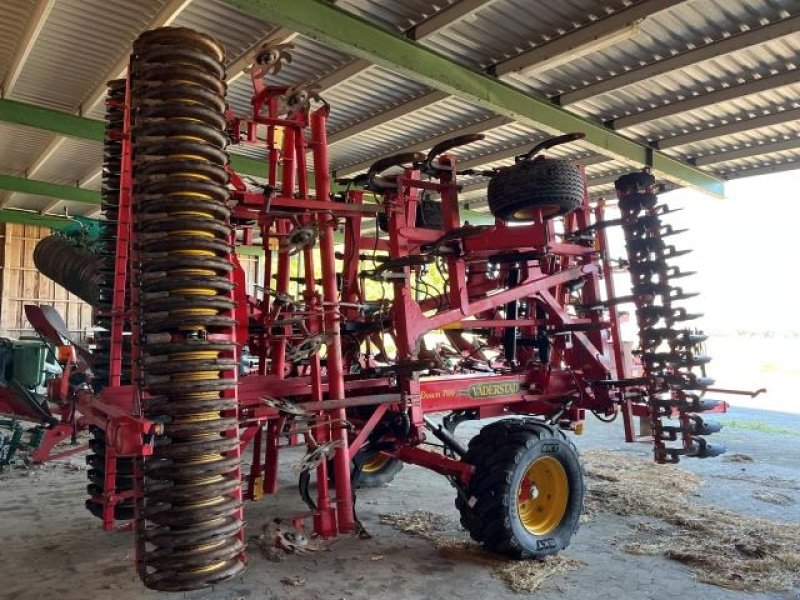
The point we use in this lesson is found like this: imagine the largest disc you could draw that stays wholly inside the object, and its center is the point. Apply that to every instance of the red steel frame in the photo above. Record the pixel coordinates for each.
(348, 406)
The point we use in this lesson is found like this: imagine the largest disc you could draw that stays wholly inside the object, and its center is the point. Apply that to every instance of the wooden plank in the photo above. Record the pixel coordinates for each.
(23, 284)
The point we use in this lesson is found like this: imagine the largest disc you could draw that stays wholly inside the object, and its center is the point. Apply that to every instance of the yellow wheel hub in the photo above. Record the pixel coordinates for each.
(543, 495)
(375, 463)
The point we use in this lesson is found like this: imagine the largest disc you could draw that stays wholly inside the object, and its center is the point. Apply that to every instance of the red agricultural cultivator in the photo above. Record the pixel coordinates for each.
(398, 310)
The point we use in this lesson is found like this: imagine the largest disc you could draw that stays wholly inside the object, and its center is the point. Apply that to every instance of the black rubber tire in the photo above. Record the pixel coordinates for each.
(501, 454)
(378, 478)
(429, 216)
(552, 185)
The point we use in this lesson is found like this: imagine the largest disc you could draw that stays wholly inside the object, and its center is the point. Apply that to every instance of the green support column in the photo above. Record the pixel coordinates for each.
(335, 27)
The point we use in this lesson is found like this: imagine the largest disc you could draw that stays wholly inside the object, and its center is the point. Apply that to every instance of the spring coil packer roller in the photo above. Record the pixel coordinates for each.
(191, 520)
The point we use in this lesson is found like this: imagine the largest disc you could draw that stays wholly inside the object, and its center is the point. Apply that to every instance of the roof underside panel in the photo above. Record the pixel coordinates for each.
(745, 139)
(505, 28)
(439, 118)
(739, 167)
(396, 15)
(236, 31)
(81, 41)
(370, 92)
(19, 147)
(785, 97)
(16, 15)
(672, 31)
(78, 45)
(53, 205)
(74, 160)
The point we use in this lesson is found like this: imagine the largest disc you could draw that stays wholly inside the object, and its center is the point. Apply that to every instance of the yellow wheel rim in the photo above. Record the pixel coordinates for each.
(375, 463)
(543, 495)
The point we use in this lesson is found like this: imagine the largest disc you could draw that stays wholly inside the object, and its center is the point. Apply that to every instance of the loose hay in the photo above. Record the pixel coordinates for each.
(773, 497)
(768, 481)
(737, 458)
(423, 523)
(520, 576)
(722, 548)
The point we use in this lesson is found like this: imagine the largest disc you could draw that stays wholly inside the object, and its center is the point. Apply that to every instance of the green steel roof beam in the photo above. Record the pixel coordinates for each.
(62, 123)
(29, 218)
(47, 119)
(51, 190)
(333, 26)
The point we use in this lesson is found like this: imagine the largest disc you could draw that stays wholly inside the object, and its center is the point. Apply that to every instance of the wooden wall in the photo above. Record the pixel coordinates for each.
(23, 284)
(253, 271)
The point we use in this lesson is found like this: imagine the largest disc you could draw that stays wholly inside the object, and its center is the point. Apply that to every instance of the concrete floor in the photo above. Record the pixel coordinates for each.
(51, 547)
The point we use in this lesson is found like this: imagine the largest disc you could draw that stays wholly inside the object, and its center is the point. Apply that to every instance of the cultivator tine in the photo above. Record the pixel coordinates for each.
(645, 223)
(700, 426)
(674, 272)
(688, 338)
(663, 209)
(606, 303)
(638, 201)
(669, 230)
(672, 252)
(679, 359)
(587, 233)
(680, 314)
(668, 355)
(645, 245)
(701, 448)
(678, 294)
(686, 381)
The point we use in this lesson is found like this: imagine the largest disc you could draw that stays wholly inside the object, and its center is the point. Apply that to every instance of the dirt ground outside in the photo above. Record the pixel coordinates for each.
(52, 547)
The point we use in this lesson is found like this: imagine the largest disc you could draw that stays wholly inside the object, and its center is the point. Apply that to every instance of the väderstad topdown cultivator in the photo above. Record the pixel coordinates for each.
(372, 316)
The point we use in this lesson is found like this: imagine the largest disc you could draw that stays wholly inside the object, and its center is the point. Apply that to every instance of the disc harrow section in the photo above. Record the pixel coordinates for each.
(191, 522)
(72, 267)
(670, 350)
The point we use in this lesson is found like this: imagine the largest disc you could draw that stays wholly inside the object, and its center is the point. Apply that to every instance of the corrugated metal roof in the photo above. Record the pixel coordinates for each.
(67, 64)
(730, 169)
(745, 139)
(372, 91)
(236, 31)
(396, 15)
(786, 96)
(74, 160)
(436, 119)
(681, 28)
(16, 14)
(30, 202)
(505, 28)
(19, 147)
(78, 45)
